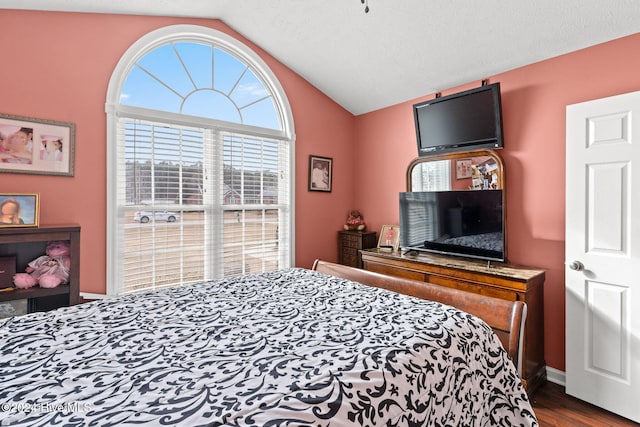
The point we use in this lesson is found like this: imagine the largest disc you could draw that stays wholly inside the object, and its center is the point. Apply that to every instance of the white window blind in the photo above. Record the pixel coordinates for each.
(422, 217)
(162, 171)
(228, 194)
(432, 176)
(255, 194)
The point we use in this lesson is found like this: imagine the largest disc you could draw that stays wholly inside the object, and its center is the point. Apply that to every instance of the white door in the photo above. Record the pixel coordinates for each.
(603, 253)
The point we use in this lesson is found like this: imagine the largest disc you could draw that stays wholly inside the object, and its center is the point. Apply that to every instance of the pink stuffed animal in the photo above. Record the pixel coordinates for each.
(49, 270)
(355, 221)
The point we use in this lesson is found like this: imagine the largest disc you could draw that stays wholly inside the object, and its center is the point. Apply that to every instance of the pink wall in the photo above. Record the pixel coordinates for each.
(534, 100)
(59, 68)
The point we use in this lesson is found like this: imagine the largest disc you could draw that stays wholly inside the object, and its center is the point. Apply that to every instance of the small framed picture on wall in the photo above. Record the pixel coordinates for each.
(320, 171)
(463, 168)
(36, 146)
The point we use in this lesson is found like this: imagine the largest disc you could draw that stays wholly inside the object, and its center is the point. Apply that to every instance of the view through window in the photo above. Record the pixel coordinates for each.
(202, 182)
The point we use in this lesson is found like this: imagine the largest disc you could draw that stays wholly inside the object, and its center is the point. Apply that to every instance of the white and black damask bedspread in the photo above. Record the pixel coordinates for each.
(288, 348)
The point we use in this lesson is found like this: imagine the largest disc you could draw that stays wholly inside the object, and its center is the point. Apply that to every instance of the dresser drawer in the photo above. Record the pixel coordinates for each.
(351, 242)
(392, 271)
(349, 252)
(476, 288)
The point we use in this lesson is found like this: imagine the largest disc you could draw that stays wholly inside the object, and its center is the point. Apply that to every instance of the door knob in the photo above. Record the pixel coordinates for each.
(576, 265)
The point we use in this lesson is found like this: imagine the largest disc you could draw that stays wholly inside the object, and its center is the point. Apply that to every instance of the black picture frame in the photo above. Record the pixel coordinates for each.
(320, 173)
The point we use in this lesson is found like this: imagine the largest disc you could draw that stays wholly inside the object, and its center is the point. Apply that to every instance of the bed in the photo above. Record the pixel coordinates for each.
(294, 347)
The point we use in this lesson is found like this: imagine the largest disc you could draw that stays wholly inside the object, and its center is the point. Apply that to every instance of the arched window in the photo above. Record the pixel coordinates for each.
(200, 163)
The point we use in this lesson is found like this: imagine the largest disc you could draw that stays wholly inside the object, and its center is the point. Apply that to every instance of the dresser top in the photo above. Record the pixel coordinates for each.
(493, 268)
(40, 229)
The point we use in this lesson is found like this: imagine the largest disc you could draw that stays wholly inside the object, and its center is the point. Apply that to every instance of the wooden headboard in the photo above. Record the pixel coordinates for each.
(507, 318)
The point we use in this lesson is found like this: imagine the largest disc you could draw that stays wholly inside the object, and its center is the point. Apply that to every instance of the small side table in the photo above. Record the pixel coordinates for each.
(351, 242)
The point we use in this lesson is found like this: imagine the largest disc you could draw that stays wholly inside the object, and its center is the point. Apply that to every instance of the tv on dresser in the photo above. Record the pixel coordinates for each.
(459, 222)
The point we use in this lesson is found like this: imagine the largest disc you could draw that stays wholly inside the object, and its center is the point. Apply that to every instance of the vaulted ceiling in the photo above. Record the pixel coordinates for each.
(400, 49)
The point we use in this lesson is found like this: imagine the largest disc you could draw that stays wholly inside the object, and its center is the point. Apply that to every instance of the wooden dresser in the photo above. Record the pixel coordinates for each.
(351, 242)
(499, 280)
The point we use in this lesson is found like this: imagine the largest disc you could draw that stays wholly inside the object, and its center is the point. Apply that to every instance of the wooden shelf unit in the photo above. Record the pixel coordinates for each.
(29, 243)
(500, 280)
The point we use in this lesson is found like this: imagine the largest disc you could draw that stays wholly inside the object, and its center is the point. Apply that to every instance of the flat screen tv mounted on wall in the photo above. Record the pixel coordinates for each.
(461, 222)
(462, 121)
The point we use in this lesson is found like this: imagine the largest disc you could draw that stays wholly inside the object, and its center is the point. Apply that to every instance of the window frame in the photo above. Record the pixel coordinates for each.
(114, 110)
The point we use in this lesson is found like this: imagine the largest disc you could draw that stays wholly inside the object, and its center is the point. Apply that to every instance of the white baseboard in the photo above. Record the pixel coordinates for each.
(556, 376)
(87, 295)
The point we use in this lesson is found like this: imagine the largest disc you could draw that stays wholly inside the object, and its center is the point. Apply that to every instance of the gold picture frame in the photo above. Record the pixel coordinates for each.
(19, 210)
(389, 238)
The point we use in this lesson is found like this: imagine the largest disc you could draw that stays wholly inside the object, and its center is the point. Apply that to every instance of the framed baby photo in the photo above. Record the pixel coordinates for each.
(389, 238)
(320, 171)
(19, 210)
(36, 146)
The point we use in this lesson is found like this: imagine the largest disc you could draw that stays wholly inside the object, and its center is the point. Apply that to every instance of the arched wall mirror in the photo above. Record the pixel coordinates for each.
(452, 205)
(469, 170)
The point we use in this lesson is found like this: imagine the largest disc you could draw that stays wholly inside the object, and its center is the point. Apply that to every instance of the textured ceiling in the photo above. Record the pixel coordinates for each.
(401, 49)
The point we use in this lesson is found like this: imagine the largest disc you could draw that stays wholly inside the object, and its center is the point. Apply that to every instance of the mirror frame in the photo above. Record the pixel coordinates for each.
(458, 155)
(465, 154)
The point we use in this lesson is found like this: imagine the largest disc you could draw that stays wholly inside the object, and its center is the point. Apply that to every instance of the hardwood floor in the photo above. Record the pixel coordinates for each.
(555, 408)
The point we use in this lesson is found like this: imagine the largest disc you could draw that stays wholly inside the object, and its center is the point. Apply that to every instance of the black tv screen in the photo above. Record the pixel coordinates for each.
(463, 121)
(464, 222)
